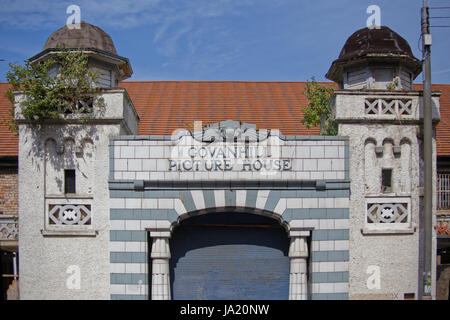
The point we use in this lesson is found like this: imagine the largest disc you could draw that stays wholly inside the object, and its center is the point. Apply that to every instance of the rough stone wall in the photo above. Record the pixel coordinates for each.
(61, 257)
(50, 262)
(394, 254)
(386, 255)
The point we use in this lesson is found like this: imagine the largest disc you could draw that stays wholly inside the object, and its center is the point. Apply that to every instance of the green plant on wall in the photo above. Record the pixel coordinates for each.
(318, 111)
(393, 85)
(52, 95)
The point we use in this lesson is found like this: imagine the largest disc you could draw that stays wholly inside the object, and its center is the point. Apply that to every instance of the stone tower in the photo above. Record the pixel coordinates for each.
(377, 107)
(63, 179)
(98, 45)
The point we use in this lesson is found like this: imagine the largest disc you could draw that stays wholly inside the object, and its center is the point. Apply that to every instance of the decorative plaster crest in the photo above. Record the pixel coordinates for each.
(230, 131)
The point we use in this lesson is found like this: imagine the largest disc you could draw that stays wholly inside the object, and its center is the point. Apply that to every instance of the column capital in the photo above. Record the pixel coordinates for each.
(298, 247)
(298, 254)
(160, 255)
(159, 232)
(160, 248)
(299, 232)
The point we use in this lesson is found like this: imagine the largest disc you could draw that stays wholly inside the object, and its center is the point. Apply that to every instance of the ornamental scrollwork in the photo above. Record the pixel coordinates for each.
(69, 214)
(387, 213)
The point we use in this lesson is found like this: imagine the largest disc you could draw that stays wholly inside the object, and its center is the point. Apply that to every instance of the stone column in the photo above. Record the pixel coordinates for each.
(298, 253)
(160, 256)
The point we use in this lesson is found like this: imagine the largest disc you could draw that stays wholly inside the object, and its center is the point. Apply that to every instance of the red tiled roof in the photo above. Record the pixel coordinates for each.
(8, 141)
(443, 127)
(164, 106)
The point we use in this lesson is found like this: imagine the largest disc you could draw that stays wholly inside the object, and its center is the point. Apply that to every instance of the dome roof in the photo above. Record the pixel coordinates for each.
(375, 43)
(88, 36)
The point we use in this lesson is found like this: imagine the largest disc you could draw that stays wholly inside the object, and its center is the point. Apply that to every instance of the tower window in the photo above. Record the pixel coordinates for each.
(69, 181)
(386, 180)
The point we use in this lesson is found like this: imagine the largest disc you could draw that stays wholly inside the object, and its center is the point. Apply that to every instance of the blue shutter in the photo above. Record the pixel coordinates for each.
(215, 257)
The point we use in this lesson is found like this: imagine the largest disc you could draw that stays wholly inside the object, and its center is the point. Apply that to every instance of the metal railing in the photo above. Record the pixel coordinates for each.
(443, 191)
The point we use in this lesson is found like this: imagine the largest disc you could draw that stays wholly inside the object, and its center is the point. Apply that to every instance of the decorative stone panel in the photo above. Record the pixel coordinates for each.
(443, 225)
(9, 229)
(380, 106)
(81, 106)
(68, 215)
(388, 214)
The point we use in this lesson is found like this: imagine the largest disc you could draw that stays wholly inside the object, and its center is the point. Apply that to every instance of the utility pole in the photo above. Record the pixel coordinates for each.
(428, 154)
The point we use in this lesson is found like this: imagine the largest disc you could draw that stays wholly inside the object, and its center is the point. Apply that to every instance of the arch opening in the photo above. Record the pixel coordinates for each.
(271, 216)
(229, 255)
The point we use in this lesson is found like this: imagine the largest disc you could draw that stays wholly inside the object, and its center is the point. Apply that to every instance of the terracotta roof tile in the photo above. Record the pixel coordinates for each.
(443, 127)
(8, 140)
(164, 106)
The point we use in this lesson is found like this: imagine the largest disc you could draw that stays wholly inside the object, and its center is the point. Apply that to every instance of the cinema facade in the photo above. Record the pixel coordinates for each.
(229, 209)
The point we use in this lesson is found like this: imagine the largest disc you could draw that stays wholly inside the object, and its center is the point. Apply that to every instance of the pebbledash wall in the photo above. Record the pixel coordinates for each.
(150, 195)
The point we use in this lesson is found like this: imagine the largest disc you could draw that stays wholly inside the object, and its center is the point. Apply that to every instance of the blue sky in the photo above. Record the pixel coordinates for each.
(246, 40)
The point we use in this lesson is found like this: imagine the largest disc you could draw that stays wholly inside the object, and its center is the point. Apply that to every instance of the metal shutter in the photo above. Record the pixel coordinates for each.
(212, 261)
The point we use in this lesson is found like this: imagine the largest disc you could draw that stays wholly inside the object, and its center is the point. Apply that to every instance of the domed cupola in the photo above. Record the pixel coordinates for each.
(375, 59)
(97, 44)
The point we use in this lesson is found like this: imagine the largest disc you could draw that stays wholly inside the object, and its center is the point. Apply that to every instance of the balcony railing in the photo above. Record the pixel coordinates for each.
(375, 105)
(443, 191)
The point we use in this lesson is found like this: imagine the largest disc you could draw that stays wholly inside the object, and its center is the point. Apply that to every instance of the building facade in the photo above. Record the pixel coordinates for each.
(228, 209)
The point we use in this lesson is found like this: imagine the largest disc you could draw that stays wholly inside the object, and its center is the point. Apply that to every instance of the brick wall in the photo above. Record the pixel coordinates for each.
(8, 190)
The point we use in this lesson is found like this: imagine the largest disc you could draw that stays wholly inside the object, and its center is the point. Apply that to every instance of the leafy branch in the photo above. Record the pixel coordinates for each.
(318, 111)
(393, 85)
(53, 88)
